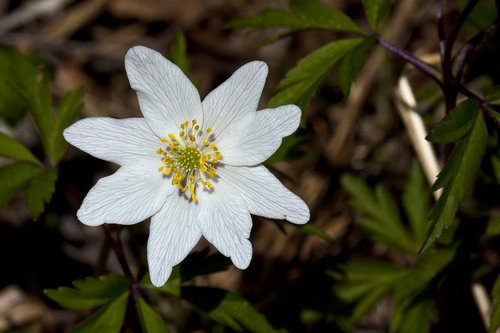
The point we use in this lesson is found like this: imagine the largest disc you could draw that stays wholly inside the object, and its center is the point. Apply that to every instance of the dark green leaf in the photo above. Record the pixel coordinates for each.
(13, 177)
(39, 192)
(457, 124)
(13, 149)
(414, 315)
(366, 283)
(494, 95)
(69, 110)
(40, 107)
(376, 11)
(495, 312)
(305, 14)
(18, 73)
(301, 82)
(90, 292)
(457, 177)
(311, 229)
(352, 62)
(177, 52)
(107, 319)
(416, 201)
(286, 148)
(227, 308)
(493, 226)
(383, 222)
(151, 322)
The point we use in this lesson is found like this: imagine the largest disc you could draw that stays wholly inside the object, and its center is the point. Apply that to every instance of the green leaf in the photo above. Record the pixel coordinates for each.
(457, 177)
(366, 283)
(311, 229)
(285, 150)
(305, 14)
(457, 124)
(107, 319)
(416, 201)
(69, 110)
(302, 81)
(18, 73)
(414, 315)
(495, 312)
(13, 177)
(376, 11)
(177, 52)
(13, 149)
(90, 292)
(383, 223)
(352, 62)
(227, 308)
(39, 192)
(151, 322)
(494, 96)
(40, 107)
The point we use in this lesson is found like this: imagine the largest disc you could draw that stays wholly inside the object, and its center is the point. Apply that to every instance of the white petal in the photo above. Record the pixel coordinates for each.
(120, 141)
(235, 98)
(132, 194)
(226, 223)
(173, 234)
(263, 193)
(258, 135)
(166, 96)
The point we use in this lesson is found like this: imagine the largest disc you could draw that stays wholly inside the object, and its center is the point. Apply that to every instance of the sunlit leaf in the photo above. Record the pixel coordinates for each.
(352, 62)
(304, 14)
(302, 81)
(495, 311)
(177, 52)
(13, 177)
(457, 177)
(151, 322)
(13, 149)
(457, 124)
(68, 112)
(39, 191)
(107, 319)
(376, 11)
(90, 292)
(383, 222)
(416, 201)
(227, 308)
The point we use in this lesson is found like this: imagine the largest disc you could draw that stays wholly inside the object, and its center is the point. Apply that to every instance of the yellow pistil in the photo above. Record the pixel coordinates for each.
(191, 158)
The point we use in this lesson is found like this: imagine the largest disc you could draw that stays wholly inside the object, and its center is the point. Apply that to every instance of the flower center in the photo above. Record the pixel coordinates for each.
(191, 158)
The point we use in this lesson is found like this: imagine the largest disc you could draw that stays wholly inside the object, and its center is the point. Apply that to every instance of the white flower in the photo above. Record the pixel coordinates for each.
(194, 167)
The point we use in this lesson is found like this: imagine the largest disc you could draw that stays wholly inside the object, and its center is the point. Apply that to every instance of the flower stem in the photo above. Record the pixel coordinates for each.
(120, 255)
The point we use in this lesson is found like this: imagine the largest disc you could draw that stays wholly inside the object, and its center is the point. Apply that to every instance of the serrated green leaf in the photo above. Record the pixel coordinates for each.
(151, 322)
(457, 177)
(177, 52)
(18, 72)
(40, 107)
(305, 14)
(457, 124)
(301, 82)
(414, 315)
(13, 177)
(227, 308)
(13, 149)
(416, 201)
(107, 319)
(352, 62)
(366, 283)
(39, 192)
(90, 292)
(383, 224)
(495, 311)
(376, 11)
(68, 112)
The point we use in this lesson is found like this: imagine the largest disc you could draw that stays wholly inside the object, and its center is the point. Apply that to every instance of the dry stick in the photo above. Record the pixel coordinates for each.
(406, 105)
(29, 13)
(336, 146)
